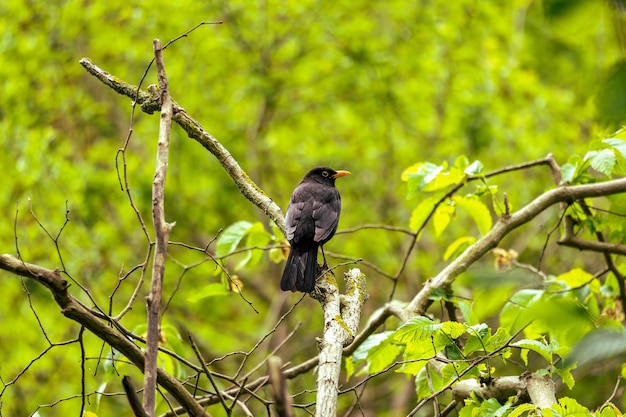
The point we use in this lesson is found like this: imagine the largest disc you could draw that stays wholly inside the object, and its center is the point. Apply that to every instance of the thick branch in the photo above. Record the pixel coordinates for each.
(340, 326)
(503, 227)
(195, 131)
(73, 309)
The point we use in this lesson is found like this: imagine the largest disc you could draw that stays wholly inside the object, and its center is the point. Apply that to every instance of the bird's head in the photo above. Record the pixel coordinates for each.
(324, 175)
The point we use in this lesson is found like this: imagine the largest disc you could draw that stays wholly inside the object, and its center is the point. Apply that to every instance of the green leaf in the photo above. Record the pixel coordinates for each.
(576, 278)
(209, 290)
(378, 350)
(421, 212)
(467, 311)
(229, 239)
(535, 346)
(521, 409)
(618, 144)
(427, 381)
(349, 366)
(610, 410)
(442, 217)
(514, 315)
(568, 173)
(477, 210)
(445, 179)
(457, 246)
(416, 329)
(256, 236)
(602, 161)
(479, 336)
(569, 407)
(453, 329)
(565, 373)
(423, 175)
(475, 168)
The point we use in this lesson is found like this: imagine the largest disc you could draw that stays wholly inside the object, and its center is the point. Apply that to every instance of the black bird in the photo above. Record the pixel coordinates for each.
(311, 221)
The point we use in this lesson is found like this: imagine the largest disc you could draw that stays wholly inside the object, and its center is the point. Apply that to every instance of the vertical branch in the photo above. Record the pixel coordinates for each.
(341, 322)
(162, 231)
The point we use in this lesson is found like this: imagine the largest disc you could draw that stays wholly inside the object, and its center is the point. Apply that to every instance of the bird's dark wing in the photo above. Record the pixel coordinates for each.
(313, 214)
(292, 218)
(299, 223)
(326, 211)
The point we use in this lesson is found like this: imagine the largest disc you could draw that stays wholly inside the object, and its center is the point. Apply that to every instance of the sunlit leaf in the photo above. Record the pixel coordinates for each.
(229, 239)
(575, 278)
(457, 246)
(421, 212)
(602, 161)
(477, 210)
(569, 407)
(475, 168)
(453, 329)
(617, 144)
(415, 329)
(522, 409)
(535, 346)
(442, 217)
(425, 173)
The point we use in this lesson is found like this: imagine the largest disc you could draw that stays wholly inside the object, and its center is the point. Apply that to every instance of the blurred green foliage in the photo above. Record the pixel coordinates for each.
(373, 87)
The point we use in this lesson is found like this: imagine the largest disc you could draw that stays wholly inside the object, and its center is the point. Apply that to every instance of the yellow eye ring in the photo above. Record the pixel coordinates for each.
(324, 173)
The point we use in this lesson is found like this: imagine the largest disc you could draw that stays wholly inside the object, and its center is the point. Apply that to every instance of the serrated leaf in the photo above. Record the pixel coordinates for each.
(610, 410)
(602, 161)
(457, 246)
(475, 168)
(477, 210)
(453, 329)
(229, 239)
(566, 375)
(569, 407)
(535, 346)
(618, 144)
(415, 329)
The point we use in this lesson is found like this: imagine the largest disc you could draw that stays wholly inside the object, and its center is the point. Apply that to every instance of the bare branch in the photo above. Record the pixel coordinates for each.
(74, 310)
(162, 230)
(150, 103)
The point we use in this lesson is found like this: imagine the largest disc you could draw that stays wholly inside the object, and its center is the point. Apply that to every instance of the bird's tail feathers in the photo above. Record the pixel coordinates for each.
(300, 271)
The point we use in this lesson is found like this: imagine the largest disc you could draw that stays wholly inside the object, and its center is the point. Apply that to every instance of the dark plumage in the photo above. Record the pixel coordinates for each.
(311, 221)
